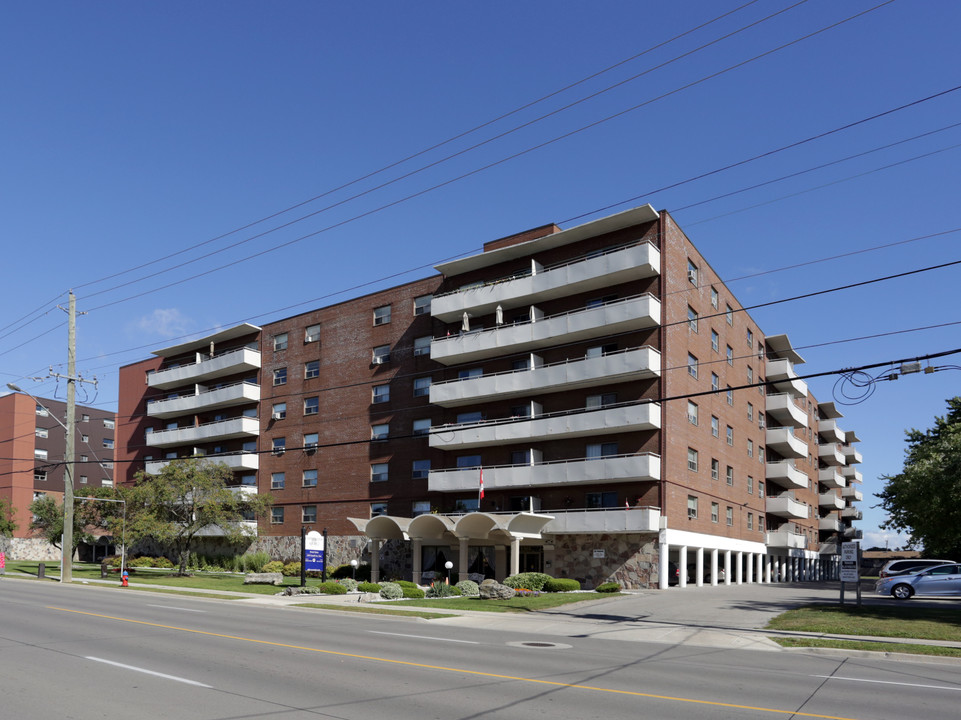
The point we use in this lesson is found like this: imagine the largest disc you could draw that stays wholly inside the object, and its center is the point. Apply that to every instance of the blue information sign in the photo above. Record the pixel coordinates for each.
(314, 551)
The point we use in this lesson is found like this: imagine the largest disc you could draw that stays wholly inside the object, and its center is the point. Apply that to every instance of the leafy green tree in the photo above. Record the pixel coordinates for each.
(7, 525)
(924, 499)
(187, 497)
(88, 516)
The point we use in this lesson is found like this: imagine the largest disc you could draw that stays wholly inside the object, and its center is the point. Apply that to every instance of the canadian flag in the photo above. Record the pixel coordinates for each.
(480, 489)
(627, 504)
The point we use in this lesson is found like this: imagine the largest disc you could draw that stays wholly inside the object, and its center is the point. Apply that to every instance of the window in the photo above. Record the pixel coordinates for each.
(85, 438)
(760, 488)
(469, 461)
(279, 411)
(39, 453)
(692, 412)
(311, 369)
(691, 319)
(714, 298)
(277, 481)
(750, 448)
(108, 443)
(421, 427)
(692, 506)
(750, 521)
(599, 302)
(106, 464)
(599, 450)
(42, 411)
(378, 472)
(760, 453)
(310, 441)
(715, 340)
(473, 416)
(83, 479)
(750, 485)
(379, 432)
(422, 345)
(422, 305)
(595, 401)
(523, 363)
(715, 382)
(691, 365)
(84, 418)
(276, 515)
(312, 333)
(730, 435)
(108, 424)
(692, 273)
(279, 445)
(729, 314)
(521, 457)
(310, 478)
(729, 353)
(280, 342)
(750, 374)
(42, 432)
(729, 515)
(750, 412)
(420, 469)
(381, 354)
(750, 338)
(311, 405)
(760, 419)
(421, 387)
(378, 508)
(730, 475)
(280, 376)
(381, 393)
(419, 507)
(760, 522)
(715, 425)
(601, 350)
(730, 396)
(692, 459)
(715, 512)
(519, 411)
(382, 315)
(470, 373)
(308, 514)
(602, 500)
(41, 475)
(715, 469)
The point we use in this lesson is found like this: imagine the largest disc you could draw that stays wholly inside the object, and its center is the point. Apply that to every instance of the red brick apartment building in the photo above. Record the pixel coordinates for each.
(31, 462)
(626, 416)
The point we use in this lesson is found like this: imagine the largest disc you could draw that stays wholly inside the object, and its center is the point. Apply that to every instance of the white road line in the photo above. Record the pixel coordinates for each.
(171, 607)
(148, 672)
(889, 682)
(425, 637)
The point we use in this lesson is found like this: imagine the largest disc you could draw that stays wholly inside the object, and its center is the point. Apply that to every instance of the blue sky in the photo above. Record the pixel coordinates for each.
(135, 131)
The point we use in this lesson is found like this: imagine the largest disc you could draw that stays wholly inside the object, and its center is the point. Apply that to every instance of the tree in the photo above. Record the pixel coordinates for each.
(87, 516)
(924, 499)
(7, 525)
(187, 497)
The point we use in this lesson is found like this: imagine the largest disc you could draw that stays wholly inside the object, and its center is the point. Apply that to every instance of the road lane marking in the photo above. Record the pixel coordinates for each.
(890, 682)
(425, 637)
(172, 607)
(461, 671)
(147, 672)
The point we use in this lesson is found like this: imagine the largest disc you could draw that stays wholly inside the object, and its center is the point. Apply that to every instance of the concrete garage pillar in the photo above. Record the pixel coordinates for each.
(749, 568)
(740, 567)
(727, 567)
(663, 565)
(416, 559)
(714, 566)
(682, 566)
(779, 565)
(760, 568)
(699, 566)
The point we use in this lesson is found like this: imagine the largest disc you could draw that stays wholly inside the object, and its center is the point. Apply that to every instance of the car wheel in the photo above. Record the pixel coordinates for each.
(902, 592)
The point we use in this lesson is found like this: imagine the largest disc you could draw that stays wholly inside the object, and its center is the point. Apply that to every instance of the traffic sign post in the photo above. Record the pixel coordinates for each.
(851, 568)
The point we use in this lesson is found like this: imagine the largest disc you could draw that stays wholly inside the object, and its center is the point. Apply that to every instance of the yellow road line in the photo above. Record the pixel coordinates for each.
(478, 673)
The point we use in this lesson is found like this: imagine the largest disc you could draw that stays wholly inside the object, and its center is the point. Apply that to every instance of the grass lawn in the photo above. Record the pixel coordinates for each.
(901, 621)
(870, 646)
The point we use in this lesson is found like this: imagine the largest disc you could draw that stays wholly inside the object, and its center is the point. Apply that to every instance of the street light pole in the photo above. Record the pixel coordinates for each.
(66, 573)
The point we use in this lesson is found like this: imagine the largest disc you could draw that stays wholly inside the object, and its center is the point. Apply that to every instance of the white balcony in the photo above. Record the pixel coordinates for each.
(241, 461)
(830, 524)
(781, 374)
(783, 409)
(852, 494)
(635, 313)
(618, 265)
(602, 470)
(831, 477)
(831, 501)
(206, 368)
(220, 430)
(852, 474)
(787, 507)
(629, 418)
(786, 539)
(621, 366)
(853, 533)
(851, 513)
(831, 454)
(236, 394)
(851, 455)
(604, 520)
(829, 431)
(785, 442)
(785, 474)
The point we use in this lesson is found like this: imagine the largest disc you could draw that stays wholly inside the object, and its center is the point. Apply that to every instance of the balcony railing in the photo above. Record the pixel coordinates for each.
(240, 461)
(785, 474)
(781, 407)
(786, 539)
(829, 431)
(219, 430)
(633, 313)
(786, 506)
(618, 366)
(831, 454)
(852, 456)
(615, 265)
(604, 520)
(829, 524)
(830, 500)
(781, 374)
(555, 426)
(852, 494)
(230, 362)
(785, 442)
(831, 477)
(212, 399)
(852, 474)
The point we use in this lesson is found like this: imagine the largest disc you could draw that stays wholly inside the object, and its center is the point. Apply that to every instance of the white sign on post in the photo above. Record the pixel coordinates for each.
(850, 565)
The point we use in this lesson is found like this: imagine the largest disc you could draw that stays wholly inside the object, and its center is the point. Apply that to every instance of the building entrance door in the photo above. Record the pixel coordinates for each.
(532, 559)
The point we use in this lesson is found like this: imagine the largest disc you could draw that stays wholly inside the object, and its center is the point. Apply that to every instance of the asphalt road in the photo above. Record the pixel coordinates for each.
(86, 652)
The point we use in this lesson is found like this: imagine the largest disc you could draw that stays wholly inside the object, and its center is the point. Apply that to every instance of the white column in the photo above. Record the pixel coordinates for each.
(515, 555)
(740, 567)
(714, 566)
(727, 567)
(682, 566)
(749, 568)
(699, 566)
(779, 564)
(760, 567)
(662, 565)
(767, 567)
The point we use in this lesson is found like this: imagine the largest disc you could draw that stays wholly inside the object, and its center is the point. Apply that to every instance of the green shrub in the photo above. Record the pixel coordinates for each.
(368, 587)
(468, 588)
(113, 561)
(142, 561)
(561, 585)
(442, 589)
(253, 562)
(348, 584)
(273, 566)
(391, 591)
(528, 581)
(405, 583)
(291, 569)
(162, 562)
(414, 593)
(608, 587)
(331, 587)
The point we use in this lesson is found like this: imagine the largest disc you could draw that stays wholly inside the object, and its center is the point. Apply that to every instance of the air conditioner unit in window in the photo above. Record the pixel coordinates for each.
(692, 276)
(381, 359)
(277, 416)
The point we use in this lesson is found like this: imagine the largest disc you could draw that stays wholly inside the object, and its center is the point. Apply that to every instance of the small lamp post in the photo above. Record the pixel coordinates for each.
(448, 565)
(353, 569)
